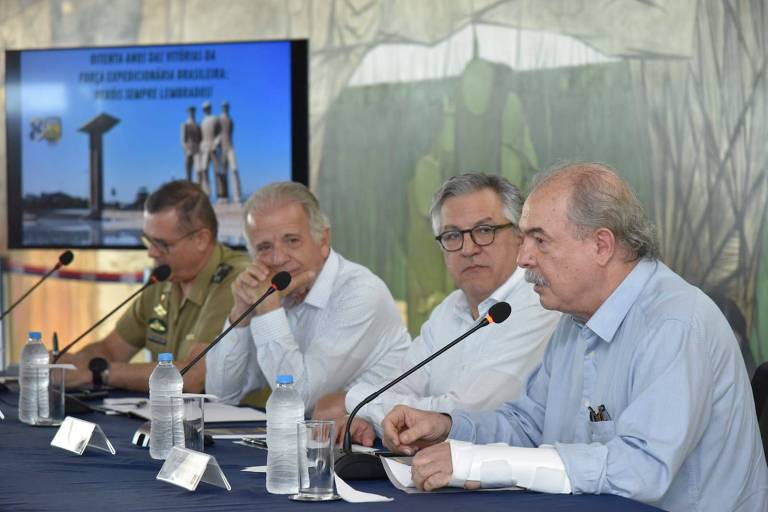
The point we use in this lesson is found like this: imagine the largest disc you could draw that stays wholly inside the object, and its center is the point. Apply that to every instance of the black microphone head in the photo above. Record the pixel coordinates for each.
(281, 280)
(499, 312)
(66, 258)
(160, 273)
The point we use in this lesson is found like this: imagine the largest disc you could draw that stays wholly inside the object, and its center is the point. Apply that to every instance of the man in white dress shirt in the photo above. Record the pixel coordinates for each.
(475, 220)
(336, 325)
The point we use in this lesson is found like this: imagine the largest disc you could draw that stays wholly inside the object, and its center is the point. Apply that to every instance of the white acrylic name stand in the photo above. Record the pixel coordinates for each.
(75, 435)
(187, 468)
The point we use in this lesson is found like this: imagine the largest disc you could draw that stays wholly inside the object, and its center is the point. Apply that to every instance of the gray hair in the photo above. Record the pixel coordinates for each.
(510, 195)
(601, 199)
(289, 191)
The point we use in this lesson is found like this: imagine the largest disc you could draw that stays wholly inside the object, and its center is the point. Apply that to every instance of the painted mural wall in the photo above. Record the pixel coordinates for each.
(405, 93)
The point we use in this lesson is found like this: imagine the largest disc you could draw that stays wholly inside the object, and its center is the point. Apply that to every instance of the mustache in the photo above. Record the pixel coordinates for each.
(534, 278)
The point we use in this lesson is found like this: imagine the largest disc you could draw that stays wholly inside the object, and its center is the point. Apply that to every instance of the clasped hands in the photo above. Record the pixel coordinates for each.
(254, 281)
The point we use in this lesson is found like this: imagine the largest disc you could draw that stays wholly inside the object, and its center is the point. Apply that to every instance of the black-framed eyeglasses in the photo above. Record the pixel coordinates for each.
(164, 246)
(482, 235)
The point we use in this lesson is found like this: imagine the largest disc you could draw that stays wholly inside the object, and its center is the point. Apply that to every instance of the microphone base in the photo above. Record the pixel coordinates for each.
(359, 466)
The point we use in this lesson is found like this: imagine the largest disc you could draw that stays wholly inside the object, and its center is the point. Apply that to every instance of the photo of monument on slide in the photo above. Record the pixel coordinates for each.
(92, 131)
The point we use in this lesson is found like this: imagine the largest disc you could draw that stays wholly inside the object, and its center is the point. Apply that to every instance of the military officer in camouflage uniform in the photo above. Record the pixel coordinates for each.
(181, 315)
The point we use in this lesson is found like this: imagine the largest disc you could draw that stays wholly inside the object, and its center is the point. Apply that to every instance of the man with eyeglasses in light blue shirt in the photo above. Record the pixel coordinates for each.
(642, 391)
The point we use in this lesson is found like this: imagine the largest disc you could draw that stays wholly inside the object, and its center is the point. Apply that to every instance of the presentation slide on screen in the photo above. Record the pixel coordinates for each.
(103, 127)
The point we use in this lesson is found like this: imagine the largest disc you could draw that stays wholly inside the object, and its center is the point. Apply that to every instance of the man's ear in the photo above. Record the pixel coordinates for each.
(605, 245)
(325, 242)
(204, 238)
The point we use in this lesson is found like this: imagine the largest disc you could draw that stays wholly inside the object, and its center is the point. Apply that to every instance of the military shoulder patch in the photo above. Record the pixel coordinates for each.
(221, 272)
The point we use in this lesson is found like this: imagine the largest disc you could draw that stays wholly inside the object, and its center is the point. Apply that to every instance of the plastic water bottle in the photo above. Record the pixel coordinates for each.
(284, 409)
(166, 408)
(33, 399)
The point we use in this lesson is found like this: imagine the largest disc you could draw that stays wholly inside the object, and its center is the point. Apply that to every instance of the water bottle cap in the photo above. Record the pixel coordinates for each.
(285, 379)
(165, 357)
(35, 335)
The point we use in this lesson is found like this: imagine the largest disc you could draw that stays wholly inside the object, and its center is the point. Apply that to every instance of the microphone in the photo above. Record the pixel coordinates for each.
(65, 259)
(366, 466)
(159, 274)
(280, 282)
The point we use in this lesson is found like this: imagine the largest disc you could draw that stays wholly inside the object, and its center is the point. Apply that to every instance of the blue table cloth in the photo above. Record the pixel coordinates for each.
(36, 476)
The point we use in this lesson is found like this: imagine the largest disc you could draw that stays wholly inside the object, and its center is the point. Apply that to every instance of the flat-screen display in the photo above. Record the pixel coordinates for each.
(92, 131)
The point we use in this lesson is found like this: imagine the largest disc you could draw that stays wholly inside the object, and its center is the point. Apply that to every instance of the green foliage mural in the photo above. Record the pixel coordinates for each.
(675, 98)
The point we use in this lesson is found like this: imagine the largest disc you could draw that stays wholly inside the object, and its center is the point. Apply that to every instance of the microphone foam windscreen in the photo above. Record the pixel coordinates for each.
(499, 312)
(281, 280)
(161, 273)
(66, 258)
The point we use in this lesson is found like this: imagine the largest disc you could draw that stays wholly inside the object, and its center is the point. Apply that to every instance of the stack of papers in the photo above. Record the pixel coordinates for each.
(215, 412)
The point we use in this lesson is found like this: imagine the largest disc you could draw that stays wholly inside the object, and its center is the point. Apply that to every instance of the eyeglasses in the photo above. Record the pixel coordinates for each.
(481, 235)
(164, 246)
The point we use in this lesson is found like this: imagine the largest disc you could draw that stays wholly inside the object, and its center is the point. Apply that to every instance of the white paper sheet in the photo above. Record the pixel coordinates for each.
(346, 491)
(351, 495)
(255, 469)
(215, 412)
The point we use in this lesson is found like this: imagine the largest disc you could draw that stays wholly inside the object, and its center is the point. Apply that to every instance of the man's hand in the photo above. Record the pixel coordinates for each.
(253, 282)
(407, 430)
(330, 407)
(79, 377)
(360, 432)
(432, 467)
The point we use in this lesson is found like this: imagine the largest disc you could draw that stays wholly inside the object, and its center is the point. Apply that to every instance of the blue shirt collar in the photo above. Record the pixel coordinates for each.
(611, 313)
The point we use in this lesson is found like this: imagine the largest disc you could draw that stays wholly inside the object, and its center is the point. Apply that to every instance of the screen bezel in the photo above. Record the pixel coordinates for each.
(15, 227)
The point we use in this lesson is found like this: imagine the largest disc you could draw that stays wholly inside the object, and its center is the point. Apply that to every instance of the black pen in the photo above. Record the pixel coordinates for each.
(603, 413)
(592, 414)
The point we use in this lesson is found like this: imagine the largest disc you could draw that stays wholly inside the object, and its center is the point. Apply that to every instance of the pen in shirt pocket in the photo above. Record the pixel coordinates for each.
(600, 415)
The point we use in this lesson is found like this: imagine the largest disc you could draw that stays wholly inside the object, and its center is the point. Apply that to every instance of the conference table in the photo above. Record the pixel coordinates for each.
(36, 476)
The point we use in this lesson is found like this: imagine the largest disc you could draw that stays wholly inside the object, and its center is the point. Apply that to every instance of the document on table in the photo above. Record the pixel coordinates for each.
(398, 470)
(215, 412)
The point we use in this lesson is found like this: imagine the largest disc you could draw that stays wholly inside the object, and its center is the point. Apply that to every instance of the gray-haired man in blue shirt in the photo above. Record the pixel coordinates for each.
(642, 392)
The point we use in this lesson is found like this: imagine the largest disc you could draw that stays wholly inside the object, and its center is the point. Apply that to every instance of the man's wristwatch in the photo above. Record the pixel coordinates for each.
(100, 369)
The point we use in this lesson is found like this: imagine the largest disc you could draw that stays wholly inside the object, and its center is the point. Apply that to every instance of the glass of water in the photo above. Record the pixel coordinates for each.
(315, 456)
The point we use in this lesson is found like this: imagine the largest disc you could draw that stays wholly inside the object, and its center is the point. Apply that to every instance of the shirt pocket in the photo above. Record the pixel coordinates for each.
(602, 431)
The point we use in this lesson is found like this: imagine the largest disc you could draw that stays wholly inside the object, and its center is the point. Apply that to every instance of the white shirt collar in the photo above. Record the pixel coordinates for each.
(499, 294)
(323, 286)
